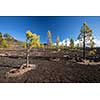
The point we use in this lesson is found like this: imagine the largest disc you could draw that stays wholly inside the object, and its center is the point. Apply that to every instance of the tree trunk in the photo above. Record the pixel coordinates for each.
(84, 47)
(27, 57)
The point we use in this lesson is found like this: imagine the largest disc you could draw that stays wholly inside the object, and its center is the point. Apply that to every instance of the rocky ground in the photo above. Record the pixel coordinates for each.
(51, 67)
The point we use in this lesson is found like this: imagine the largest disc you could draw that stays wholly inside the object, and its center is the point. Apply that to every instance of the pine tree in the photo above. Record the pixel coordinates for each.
(66, 43)
(32, 40)
(57, 41)
(86, 36)
(71, 43)
(1, 38)
(9, 39)
(50, 39)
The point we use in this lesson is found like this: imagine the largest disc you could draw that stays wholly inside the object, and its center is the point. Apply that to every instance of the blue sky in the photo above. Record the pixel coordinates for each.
(62, 26)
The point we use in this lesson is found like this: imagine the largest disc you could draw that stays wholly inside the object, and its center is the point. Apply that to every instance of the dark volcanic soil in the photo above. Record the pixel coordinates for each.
(50, 70)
